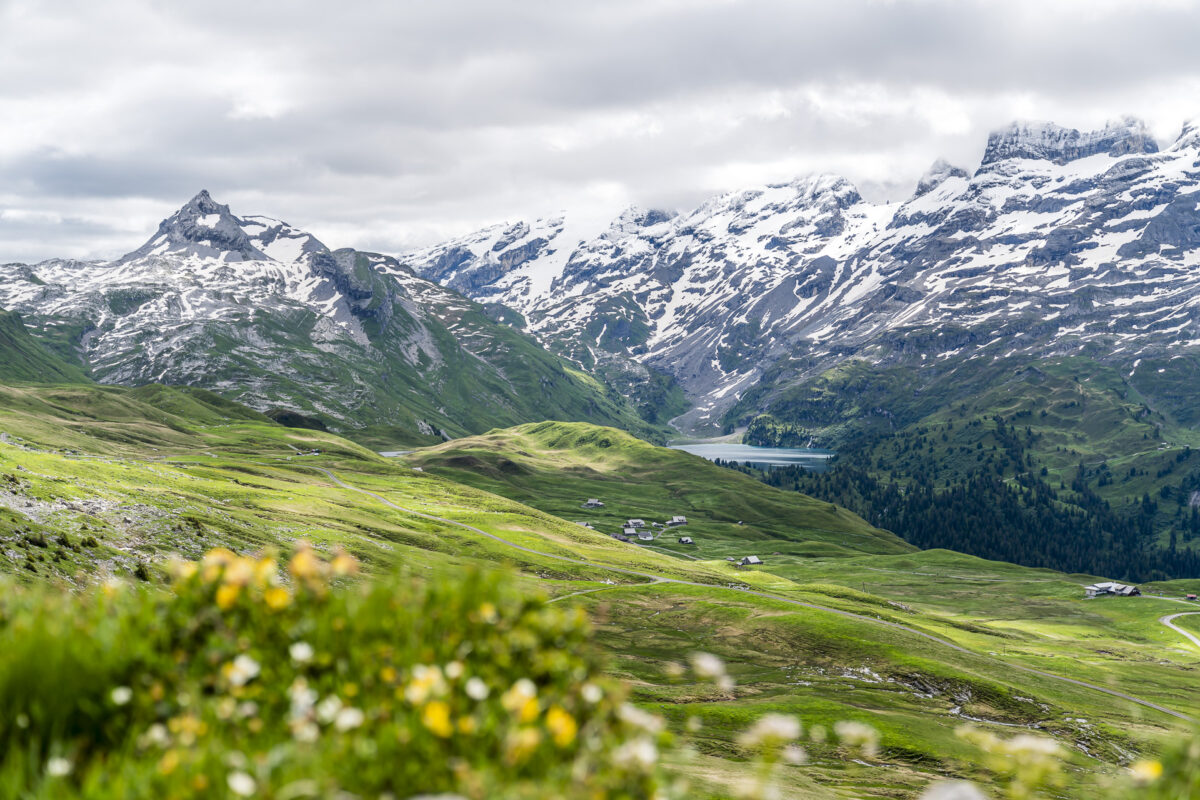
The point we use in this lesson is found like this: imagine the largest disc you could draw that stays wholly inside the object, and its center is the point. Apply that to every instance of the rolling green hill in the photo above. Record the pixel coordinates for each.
(846, 623)
(22, 358)
(557, 466)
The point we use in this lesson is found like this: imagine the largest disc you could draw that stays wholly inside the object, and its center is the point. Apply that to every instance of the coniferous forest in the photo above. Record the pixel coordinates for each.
(1004, 507)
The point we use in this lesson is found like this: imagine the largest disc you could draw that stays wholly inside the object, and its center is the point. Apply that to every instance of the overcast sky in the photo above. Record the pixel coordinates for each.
(388, 125)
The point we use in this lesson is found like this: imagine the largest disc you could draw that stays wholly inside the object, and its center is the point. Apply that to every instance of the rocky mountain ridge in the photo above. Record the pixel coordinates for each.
(267, 314)
(1060, 242)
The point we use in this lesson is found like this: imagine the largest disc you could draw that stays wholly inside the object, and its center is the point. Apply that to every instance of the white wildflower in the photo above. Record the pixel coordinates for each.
(634, 716)
(708, 666)
(638, 753)
(1033, 745)
(301, 652)
(57, 767)
(592, 693)
(771, 730)
(121, 695)
(454, 670)
(156, 734)
(953, 790)
(328, 708)
(241, 784)
(303, 698)
(857, 734)
(305, 731)
(477, 689)
(243, 670)
(794, 754)
(348, 719)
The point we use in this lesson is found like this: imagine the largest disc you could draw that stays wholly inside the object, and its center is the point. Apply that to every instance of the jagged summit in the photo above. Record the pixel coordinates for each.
(939, 172)
(205, 203)
(203, 228)
(635, 218)
(1050, 142)
(1189, 134)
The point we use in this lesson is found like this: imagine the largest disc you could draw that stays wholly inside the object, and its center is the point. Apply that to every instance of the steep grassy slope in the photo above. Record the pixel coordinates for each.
(103, 481)
(22, 358)
(557, 466)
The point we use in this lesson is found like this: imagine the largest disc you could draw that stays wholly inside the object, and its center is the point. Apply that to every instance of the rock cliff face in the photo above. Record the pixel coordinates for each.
(1060, 242)
(267, 314)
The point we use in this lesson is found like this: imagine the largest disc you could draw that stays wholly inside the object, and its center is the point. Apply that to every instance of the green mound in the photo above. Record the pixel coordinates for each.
(557, 466)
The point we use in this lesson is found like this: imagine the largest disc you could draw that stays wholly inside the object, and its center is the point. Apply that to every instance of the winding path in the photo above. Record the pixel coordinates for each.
(652, 579)
(1168, 621)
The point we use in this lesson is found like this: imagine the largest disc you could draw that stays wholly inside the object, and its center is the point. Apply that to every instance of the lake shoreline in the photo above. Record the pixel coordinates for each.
(759, 457)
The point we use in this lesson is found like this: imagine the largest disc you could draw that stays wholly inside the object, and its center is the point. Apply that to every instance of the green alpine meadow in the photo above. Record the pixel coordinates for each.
(198, 599)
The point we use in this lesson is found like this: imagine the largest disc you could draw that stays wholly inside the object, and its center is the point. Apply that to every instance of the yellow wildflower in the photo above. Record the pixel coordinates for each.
(239, 572)
(487, 612)
(214, 562)
(388, 674)
(277, 598)
(426, 681)
(304, 563)
(183, 570)
(529, 710)
(522, 743)
(169, 761)
(266, 572)
(562, 726)
(1146, 771)
(343, 563)
(467, 725)
(227, 595)
(517, 698)
(436, 717)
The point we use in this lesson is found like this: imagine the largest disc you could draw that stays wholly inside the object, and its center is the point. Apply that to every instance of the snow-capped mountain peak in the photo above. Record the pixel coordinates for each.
(936, 175)
(207, 230)
(264, 312)
(1061, 241)
(202, 228)
(1050, 142)
(1189, 135)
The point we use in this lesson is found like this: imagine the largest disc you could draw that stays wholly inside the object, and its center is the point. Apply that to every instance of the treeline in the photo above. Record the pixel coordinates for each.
(989, 498)
(1022, 522)
(767, 431)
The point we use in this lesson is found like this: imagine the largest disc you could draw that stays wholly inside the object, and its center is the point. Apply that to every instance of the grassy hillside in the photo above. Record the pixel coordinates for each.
(556, 467)
(22, 358)
(845, 624)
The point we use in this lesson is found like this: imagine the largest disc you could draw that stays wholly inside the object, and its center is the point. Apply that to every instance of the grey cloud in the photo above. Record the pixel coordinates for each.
(385, 125)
